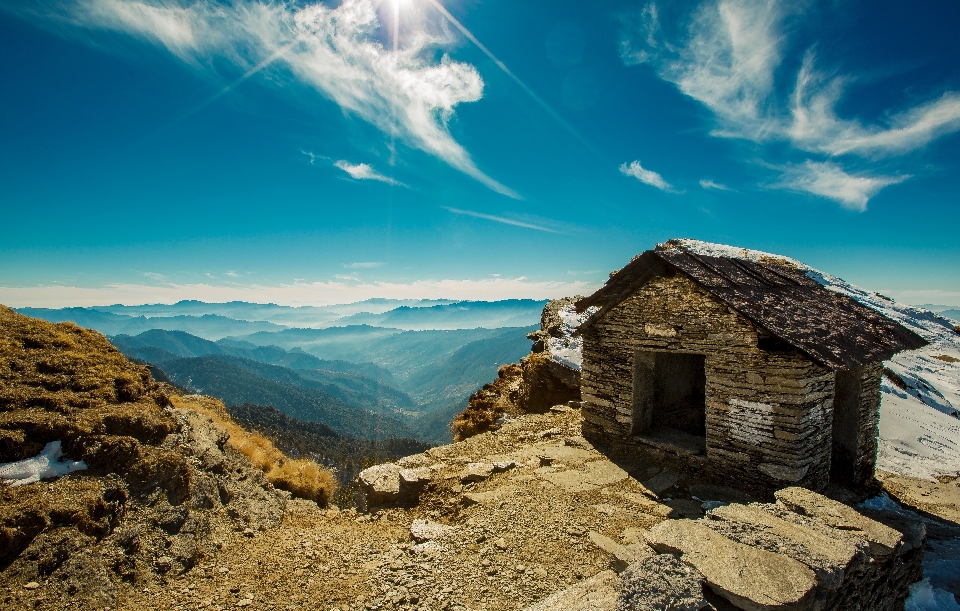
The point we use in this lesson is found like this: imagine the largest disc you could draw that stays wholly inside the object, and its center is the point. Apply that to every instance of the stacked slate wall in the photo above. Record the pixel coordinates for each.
(768, 413)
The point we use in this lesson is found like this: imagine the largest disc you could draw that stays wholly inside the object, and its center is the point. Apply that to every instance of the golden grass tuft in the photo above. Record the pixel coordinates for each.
(301, 477)
(946, 358)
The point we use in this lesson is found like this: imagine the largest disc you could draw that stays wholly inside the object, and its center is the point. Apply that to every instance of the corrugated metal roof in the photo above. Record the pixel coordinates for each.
(832, 329)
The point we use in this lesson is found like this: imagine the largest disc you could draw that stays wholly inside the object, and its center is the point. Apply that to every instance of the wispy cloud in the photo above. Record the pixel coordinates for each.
(830, 181)
(500, 219)
(325, 292)
(364, 265)
(816, 127)
(363, 171)
(405, 91)
(708, 184)
(731, 59)
(645, 176)
(727, 61)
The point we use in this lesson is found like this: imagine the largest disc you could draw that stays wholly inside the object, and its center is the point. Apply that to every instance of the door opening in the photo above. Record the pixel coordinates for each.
(846, 426)
(669, 393)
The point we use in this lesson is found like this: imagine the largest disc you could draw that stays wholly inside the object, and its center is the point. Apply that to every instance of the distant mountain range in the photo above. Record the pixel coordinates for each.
(410, 385)
(209, 326)
(215, 321)
(376, 369)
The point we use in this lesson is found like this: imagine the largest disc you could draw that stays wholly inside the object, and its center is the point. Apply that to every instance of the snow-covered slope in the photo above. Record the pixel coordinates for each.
(920, 417)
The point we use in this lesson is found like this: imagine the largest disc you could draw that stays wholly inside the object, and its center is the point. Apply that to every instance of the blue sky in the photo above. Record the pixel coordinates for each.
(327, 152)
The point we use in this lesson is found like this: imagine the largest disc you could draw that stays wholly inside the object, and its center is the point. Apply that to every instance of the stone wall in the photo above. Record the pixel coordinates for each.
(768, 412)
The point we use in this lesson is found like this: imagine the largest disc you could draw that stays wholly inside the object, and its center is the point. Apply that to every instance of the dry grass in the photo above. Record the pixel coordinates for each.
(300, 477)
(488, 404)
(61, 366)
(946, 358)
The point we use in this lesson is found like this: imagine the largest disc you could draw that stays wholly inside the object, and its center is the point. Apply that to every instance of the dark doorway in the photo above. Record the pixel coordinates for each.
(669, 392)
(846, 426)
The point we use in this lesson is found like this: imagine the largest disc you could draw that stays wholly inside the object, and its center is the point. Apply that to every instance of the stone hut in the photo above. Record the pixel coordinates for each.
(744, 369)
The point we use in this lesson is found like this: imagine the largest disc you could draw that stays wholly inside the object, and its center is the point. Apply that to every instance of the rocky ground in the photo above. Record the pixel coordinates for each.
(167, 515)
(557, 512)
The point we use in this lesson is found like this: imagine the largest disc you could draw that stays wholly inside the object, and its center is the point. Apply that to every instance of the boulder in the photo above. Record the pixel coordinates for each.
(390, 485)
(476, 472)
(597, 593)
(380, 485)
(427, 530)
(661, 583)
(750, 578)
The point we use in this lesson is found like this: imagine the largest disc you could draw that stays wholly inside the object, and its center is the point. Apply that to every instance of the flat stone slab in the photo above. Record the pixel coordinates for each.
(491, 497)
(427, 530)
(882, 539)
(839, 552)
(663, 583)
(555, 452)
(476, 472)
(621, 556)
(750, 578)
(417, 476)
(662, 481)
(647, 505)
(709, 492)
(597, 593)
(591, 476)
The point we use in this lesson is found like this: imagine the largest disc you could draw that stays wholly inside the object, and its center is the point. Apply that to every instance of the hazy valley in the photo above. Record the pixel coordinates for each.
(378, 369)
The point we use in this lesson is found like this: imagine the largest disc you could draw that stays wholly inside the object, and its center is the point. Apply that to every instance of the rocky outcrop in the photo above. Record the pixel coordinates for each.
(487, 406)
(159, 486)
(548, 376)
(395, 484)
(546, 383)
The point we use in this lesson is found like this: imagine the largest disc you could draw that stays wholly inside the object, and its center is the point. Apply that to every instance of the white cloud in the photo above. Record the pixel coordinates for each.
(406, 93)
(830, 181)
(294, 294)
(706, 183)
(363, 171)
(364, 265)
(500, 219)
(729, 61)
(816, 127)
(645, 176)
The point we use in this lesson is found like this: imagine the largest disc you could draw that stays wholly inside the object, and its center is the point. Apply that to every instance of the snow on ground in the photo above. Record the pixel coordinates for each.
(919, 423)
(941, 564)
(568, 349)
(44, 465)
